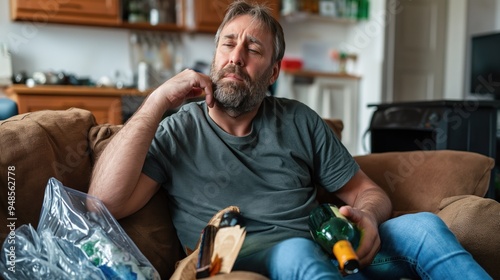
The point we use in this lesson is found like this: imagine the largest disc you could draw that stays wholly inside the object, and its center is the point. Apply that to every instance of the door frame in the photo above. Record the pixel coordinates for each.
(388, 65)
(387, 94)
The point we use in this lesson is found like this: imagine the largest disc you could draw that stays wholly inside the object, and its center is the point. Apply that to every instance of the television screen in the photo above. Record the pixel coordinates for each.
(485, 64)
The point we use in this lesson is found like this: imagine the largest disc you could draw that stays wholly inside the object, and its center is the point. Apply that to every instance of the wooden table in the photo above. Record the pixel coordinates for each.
(104, 102)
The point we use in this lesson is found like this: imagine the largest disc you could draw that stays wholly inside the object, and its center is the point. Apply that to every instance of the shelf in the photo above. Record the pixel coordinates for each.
(73, 90)
(303, 16)
(171, 27)
(168, 27)
(316, 74)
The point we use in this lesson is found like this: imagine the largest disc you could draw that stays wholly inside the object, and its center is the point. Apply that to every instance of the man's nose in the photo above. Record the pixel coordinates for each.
(238, 56)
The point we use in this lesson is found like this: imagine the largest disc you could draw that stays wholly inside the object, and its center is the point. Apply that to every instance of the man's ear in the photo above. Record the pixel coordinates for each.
(275, 73)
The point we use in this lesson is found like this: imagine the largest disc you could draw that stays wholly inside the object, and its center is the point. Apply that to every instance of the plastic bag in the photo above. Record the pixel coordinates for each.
(78, 238)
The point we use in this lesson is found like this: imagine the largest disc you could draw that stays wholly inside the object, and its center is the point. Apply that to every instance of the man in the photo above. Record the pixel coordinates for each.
(264, 155)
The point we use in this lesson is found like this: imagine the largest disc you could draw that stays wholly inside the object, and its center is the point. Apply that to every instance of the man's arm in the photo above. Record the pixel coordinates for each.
(117, 179)
(368, 207)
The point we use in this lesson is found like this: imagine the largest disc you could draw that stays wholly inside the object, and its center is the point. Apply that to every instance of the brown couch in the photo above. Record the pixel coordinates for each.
(65, 145)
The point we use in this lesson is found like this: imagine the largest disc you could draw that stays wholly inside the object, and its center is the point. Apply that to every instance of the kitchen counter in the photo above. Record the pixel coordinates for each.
(104, 102)
(76, 90)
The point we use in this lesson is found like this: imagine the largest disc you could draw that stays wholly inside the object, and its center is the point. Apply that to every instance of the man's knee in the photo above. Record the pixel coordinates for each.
(301, 258)
(424, 221)
(416, 224)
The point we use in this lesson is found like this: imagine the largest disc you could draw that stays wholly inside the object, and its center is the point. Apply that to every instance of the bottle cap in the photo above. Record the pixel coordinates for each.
(347, 258)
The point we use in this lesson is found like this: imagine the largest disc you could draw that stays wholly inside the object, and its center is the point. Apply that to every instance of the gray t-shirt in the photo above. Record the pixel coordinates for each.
(269, 174)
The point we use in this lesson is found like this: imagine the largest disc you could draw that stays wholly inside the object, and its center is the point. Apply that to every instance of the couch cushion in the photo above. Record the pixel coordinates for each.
(99, 137)
(152, 231)
(418, 180)
(475, 221)
(41, 145)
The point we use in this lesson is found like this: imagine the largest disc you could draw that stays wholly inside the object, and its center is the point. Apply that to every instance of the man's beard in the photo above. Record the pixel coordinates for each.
(237, 98)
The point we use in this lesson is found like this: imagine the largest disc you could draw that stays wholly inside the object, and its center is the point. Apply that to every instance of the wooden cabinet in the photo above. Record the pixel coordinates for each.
(105, 109)
(85, 12)
(209, 14)
(81, 12)
(194, 15)
(206, 15)
(104, 103)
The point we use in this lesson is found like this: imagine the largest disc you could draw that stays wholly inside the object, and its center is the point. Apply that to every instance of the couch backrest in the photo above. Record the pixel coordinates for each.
(37, 146)
(337, 125)
(417, 181)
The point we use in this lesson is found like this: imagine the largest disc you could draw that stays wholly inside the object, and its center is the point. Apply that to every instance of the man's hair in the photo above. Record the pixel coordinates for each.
(262, 14)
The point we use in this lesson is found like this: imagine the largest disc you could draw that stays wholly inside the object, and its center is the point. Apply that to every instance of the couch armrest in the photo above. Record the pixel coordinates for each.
(475, 221)
(153, 232)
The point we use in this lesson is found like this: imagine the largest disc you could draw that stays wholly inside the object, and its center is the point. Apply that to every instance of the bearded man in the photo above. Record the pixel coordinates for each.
(265, 155)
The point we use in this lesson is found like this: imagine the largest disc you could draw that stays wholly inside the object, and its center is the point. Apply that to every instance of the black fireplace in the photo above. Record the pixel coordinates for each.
(465, 125)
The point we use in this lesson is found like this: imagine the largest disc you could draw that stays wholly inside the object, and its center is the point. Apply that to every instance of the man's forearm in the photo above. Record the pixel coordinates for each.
(117, 171)
(363, 194)
(376, 202)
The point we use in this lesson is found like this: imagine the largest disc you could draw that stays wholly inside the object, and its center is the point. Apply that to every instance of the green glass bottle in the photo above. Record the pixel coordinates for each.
(336, 235)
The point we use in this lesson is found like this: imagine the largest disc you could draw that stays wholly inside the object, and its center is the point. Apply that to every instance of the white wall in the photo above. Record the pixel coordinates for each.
(368, 39)
(482, 16)
(84, 51)
(497, 15)
(456, 50)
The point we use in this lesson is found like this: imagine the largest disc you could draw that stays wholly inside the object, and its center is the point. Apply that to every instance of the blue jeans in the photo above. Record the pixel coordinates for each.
(414, 246)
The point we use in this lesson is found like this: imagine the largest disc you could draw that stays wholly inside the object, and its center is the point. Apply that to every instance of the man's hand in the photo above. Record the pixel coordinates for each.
(187, 84)
(369, 206)
(370, 239)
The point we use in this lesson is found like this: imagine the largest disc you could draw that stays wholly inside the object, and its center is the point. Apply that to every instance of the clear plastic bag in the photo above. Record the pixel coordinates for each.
(77, 238)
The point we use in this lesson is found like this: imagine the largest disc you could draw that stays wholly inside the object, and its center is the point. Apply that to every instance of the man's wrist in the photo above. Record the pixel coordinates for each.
(157, 104)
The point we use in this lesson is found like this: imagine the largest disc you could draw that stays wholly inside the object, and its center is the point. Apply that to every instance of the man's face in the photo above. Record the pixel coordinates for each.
(242, 68)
